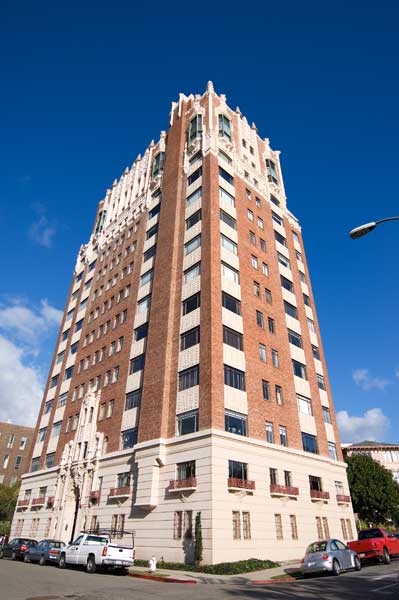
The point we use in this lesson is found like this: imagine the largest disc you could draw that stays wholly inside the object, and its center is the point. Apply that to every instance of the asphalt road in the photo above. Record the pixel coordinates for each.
(19, 581)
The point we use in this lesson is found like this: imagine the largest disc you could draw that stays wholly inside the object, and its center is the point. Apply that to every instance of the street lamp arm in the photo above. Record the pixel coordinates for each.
(368, 227)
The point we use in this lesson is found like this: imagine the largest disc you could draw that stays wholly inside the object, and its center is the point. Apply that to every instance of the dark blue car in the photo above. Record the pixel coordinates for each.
(45, 551)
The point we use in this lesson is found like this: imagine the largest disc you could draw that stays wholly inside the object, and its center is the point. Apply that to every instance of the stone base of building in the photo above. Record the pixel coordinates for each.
(240, 519)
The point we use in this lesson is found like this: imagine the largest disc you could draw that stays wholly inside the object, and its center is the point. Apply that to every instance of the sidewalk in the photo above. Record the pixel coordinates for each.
(286, 568)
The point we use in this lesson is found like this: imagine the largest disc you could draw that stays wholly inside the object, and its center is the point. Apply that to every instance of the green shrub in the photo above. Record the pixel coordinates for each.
(227, 568)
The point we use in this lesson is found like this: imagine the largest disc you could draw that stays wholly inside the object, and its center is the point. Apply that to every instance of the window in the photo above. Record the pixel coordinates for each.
(310, 325)
(275, 358)
(193, 219)
(283, 260)
(194, 176)
(254, 261)
(231, 303)
(250, 215)
(54, 381)
(262, 245)
(315, 483)
(192, 273)
(226, 197)
(146, 278)
(271, 171)
(190, 338)
(235, 422)
(129, 438)
(101, 412)
(279, 526)
(295, 236)
(69, 315)
(143, 304)
(195, 128)
(294, 528)
(224, 127)
(262, 352)
(60, 356)
(309, 443)
(265, 269)
(283, 435)
(290, 310)
(48, 406)
(232, 338)
(137, 364)
(192, 198)
(226, 218)
(288, 478)
(256, 288)
(344, 530)
(187, 422)
(315, 351)
(41, 435)
(192, 245)
(279, 394)
(234, 378)
(327, 531)
(65, 335)
(5, 461)
(115, 374)
(56, 429)
(22, 443)
(265, 390)
(50, 460)
(349, 529)
(133, 399)
(189, 378)
(74, 348)
(277, 219)
(332, 451)
(260, 223)
(230, 273)
(299, 369)
(269, 433)
(178, 525)
(302, 277)
(252, 238)
(326, 414)
(320, 381)
(246, 526)
(238, 470)
(294, 338)
(185, 470)
(146, 256)
(225, 156)
(152, 231)
(306, 299)
(226, 176)
(119, 344)
(157, 165)
(141, 332)
(154, 211)
(304, 405)
(236, 525)
(259, 318)
(287, 284)
(111, 348)
(228, 244)
(123, 480)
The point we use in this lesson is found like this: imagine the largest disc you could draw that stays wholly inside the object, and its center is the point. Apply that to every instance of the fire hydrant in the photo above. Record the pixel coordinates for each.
(152, 564)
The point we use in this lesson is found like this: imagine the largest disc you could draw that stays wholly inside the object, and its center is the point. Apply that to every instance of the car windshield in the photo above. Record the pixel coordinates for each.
(96, 539)
(316, 547)
(368, 534)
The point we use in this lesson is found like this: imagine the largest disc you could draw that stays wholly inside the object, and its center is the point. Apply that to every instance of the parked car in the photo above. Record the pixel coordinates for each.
(329, 556)
(16, 548)
(44, 551)
(375, 543)
(94, 551)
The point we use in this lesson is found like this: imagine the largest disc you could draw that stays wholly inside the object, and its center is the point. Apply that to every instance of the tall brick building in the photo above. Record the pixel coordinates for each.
(189, 374)
(15, 448)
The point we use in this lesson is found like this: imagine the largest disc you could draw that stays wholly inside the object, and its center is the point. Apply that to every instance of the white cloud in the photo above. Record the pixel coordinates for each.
(20, 386)
(372, 425)
(28, 325)
(363, 379)
(42, 231)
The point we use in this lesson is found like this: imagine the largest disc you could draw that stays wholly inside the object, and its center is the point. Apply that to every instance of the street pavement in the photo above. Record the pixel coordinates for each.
(19, 581)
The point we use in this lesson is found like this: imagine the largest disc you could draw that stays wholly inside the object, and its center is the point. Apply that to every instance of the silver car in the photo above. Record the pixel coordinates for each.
(329, 556)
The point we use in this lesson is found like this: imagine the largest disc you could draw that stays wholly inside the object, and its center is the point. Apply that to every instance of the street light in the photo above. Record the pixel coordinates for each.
(367, 227)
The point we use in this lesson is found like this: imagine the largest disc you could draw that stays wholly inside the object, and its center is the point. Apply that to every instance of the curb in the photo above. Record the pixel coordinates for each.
(263, 581)
(160, 578)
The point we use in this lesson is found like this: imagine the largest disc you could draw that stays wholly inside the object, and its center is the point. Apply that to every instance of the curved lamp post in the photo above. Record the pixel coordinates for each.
(367, 227)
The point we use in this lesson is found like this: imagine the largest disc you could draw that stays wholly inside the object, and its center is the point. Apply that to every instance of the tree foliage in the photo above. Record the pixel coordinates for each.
(8, 501)
(375, 493)
(198, 539)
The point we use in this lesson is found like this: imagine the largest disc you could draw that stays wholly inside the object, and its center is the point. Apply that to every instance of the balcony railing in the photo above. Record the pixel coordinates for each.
(23, 503)
(342, 499)
(120, 492)
(283, 490)
(233, 483)
(95, 496)
(50, 501)
(39, 501)
(179, 485)
(319, 495)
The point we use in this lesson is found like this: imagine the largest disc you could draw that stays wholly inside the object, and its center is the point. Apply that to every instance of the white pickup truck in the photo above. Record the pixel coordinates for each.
(94, 551)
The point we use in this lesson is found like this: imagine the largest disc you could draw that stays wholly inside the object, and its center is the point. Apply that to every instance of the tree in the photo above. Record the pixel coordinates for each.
(8, 501)
(375, 493)
(198, 539)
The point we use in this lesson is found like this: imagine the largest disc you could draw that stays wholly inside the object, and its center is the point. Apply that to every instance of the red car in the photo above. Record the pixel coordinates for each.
(375, 543)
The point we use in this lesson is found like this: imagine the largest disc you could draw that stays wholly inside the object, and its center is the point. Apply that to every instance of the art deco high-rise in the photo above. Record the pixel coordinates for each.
(189, 374)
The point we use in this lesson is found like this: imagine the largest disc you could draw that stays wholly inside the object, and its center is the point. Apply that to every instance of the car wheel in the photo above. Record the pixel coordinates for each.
(62, 562)
(91, 565)
(336, 569)
(307, 575)
(42, 561)
(386, 559)
(14, 556)
(26, 558)
(358, 564)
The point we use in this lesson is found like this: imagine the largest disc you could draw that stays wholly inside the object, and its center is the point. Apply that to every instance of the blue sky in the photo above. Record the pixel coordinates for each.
(86, 86)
